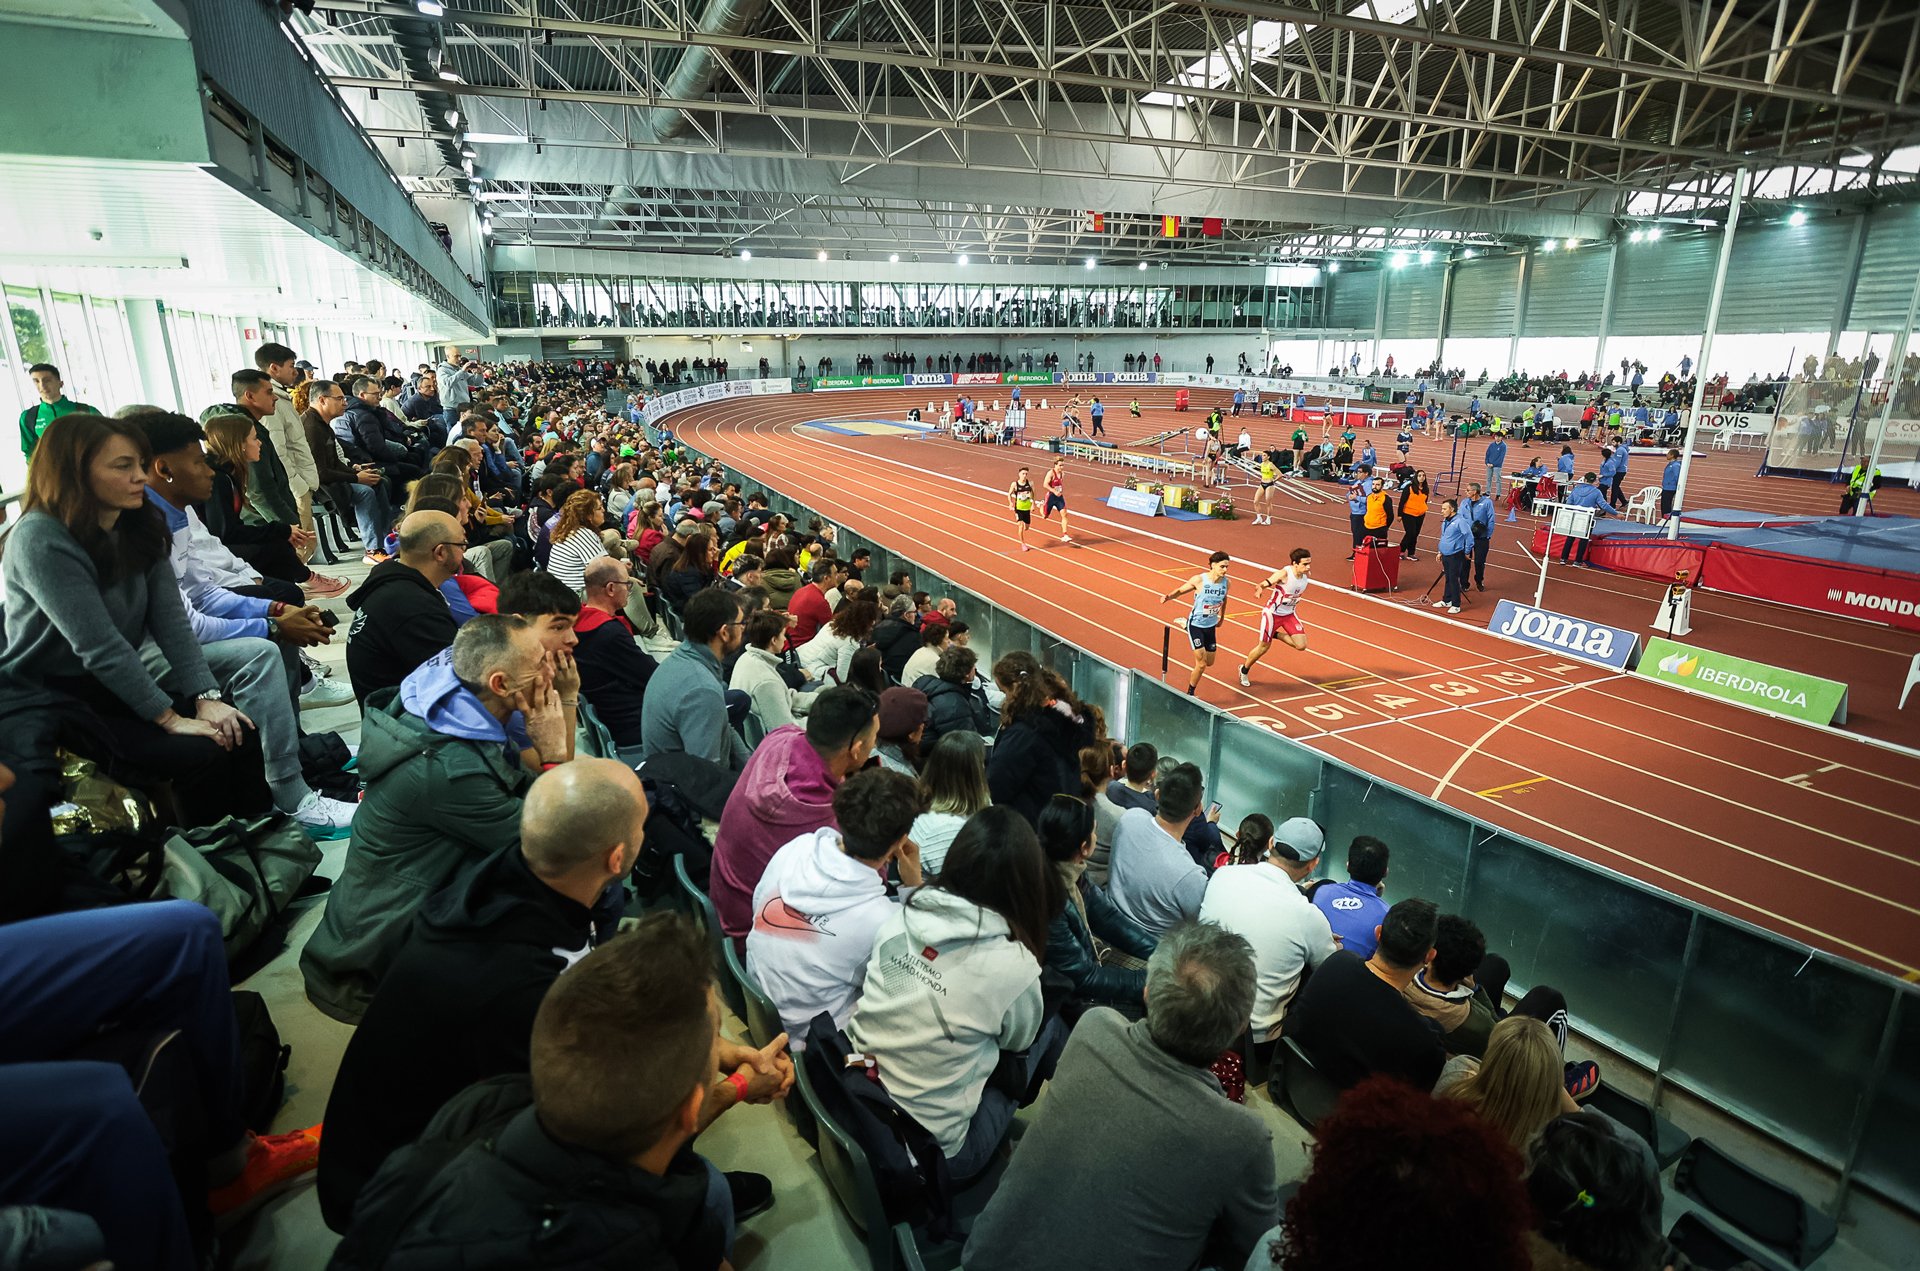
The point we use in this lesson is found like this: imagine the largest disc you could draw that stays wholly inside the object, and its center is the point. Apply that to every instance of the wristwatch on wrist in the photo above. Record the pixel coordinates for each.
(211, 695)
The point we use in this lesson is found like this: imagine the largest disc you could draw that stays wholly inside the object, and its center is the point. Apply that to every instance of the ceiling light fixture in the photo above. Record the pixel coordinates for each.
(1090, 262)
(432, 8)
(819, 255)
(1399, 260)
(1143, 266)
(1426, 258)
(1572, 243)
(745, 254)
(894, 258)
(1798, 218)
(963, 261)
(1636, 236)
(444, 70)
(1550, 244)
(1653, 235)
(453, 118)
(1333, 266)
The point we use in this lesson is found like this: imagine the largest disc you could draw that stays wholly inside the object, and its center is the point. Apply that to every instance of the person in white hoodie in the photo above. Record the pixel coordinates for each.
(825, 894)
(955, 980)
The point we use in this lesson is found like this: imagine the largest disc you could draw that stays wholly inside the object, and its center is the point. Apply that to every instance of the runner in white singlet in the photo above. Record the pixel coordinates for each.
(1278, 620)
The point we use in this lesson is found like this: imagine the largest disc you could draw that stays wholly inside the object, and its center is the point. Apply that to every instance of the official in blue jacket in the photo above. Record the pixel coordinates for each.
(1585, 495)
(1669, 483)
(1357, 491)
(1622, 451)
(1456, 548)
(1496, 461)
(1480, 522)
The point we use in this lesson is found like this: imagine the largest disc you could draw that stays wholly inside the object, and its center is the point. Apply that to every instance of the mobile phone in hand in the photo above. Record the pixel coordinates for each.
(1213, 810)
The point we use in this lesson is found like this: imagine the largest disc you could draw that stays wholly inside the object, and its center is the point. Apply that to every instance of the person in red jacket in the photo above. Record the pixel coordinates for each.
(809, 605)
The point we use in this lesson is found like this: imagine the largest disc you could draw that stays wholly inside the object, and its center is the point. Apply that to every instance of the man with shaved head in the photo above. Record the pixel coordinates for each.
(458, 1003)
(400, 618)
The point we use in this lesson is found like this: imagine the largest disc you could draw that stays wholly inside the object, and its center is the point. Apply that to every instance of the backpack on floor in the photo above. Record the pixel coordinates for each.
(247, 872)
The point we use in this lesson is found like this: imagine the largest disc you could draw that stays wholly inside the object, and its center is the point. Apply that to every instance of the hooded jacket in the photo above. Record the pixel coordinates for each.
(756, 672)
(953, 708)
(614, 672)
(488, 1189)
(456, 1007)
(400, 620)
(947, 989)
(1036, 756)
(290, 438)
(780, 585)
(444, 785)
(815, 913)
(785, 791)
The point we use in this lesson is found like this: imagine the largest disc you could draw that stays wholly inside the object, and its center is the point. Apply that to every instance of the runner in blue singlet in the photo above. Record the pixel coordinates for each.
(1202, 623)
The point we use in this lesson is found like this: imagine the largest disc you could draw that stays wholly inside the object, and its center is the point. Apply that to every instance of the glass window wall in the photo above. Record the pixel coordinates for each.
(526, 299)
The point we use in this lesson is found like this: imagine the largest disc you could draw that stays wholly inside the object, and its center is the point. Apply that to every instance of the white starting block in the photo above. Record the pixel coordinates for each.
(1913, 678)
(1043, 404)
(996, 403)
(1675, 614)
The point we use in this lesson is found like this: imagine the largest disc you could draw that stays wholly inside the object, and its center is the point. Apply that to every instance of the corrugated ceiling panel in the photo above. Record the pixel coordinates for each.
(1785, 277)
(1413, 301)
(1566, 292)
(1485, 293)
(1355, 293)
(1663, 286)
(1889, 268)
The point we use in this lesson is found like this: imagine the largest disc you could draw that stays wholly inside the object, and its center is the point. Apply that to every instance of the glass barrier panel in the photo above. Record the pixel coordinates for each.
(1887, 1158)
(1098, 684)
(1261, 771)
(1785, 1038)
(1429, 843)
(1176, 724)
(1010, 633)
(1557, 922)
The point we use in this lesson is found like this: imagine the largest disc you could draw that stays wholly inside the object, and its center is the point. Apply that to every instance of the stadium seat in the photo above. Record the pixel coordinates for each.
(703, 912)
(1304, 1092)
(763, 1025)
(1712, 1250)
(851, 1177)
(1775, 1215)
(1667, 1140)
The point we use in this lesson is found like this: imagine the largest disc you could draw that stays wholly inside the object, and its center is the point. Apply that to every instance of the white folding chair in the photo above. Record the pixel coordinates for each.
(1645, 505)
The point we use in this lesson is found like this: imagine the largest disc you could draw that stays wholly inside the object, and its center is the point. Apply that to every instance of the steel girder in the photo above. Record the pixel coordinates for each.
(1549, 117)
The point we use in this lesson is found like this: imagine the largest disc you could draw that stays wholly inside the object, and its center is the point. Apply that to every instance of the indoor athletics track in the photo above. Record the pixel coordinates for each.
(1810, 833)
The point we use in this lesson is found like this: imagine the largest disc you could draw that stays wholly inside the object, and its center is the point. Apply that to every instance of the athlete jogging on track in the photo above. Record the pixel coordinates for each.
(1070, 416)
(1203, 622)
(1057, 497)
(1278, 620)
(1020, 499)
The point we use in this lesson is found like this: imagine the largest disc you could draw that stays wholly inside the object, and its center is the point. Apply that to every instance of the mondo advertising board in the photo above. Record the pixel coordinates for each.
(1544, 629)
(1773, 689)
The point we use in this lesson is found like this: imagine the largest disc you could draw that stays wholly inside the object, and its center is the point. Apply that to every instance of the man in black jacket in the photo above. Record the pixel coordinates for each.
(371, 434)
(400, 618)
(458, 1003)
(614, 670)
(954, 700)
(460, 1006)
(896, 636)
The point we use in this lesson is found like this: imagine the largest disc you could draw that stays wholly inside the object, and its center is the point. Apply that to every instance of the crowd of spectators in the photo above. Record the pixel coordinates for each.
(947, 867)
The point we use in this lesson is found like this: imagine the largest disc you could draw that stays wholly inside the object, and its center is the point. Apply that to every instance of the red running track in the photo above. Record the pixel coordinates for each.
(1808, 832)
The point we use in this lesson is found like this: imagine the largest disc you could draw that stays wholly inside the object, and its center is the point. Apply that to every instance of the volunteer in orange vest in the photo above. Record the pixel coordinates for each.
(1413, 513)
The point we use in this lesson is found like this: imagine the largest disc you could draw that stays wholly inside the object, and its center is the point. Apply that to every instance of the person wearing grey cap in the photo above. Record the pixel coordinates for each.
(1263, 902)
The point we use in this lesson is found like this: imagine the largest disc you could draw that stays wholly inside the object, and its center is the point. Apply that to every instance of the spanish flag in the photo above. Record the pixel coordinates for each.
(1169, 227)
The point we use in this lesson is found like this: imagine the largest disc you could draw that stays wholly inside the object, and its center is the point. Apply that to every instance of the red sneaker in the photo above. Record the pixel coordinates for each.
(321, 587)
(274, 1163)
(1582, 1078)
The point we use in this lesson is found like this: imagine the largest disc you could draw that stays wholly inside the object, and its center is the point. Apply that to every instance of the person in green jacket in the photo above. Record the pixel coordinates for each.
(52, 405)
(448, 757)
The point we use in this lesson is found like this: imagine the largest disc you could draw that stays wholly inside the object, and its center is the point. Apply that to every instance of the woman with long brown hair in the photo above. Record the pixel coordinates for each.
(87, 582)
(938, 1028)
(829, 655)
(696, 568)
(272, 547)
(576, 538)
(1036, 754)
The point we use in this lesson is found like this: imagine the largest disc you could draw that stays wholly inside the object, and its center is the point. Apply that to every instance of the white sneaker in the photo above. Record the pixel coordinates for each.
(321, 693)
(1441, 604)
(1244, 681)
(325, 818)
(1453, 608)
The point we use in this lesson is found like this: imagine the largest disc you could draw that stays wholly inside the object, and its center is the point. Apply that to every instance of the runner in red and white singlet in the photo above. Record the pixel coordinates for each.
(1057, 497)
(1278, 620)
